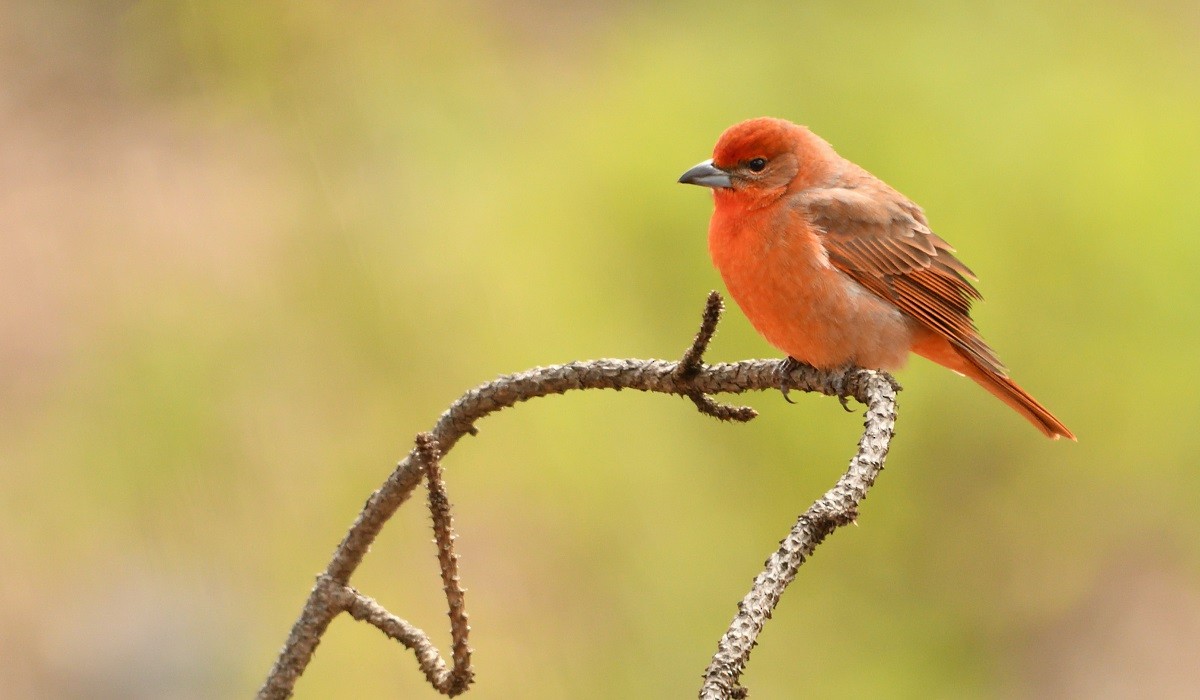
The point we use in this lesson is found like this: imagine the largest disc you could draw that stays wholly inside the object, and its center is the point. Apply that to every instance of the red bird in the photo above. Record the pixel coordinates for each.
(836, 268)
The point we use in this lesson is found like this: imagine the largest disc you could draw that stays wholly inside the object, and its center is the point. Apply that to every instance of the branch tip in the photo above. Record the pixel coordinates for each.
(694, 356)
(692, 363)
(726, 412)
(428, 450)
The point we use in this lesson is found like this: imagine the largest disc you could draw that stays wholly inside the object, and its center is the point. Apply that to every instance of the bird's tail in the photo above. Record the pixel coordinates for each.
(998, 385)
(1007, 391)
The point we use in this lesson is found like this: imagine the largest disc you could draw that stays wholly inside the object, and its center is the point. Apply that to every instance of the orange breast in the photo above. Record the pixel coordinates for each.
(775, 267)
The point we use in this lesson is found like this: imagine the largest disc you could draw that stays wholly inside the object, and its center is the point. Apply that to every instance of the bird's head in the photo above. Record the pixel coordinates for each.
(756, 159)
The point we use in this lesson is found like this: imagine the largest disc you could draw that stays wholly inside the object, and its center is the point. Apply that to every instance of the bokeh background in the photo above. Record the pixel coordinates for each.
(247, 250)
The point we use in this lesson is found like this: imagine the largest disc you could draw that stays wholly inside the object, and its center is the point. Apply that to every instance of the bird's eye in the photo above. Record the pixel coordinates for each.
(757, 164)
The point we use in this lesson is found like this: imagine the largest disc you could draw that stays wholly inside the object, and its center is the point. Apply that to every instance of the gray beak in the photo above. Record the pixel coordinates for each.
(706, 175)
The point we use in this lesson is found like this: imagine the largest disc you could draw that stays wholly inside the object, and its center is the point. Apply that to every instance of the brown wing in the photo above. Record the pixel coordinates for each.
(882, 241)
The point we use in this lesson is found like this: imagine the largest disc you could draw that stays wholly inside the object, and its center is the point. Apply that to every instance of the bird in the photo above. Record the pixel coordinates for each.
(836, 268)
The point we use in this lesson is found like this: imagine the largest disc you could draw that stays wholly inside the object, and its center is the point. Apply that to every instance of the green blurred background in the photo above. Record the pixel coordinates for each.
(247, 250)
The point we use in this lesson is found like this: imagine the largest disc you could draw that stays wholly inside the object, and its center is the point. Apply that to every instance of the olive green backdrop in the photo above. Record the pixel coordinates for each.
(247, 250)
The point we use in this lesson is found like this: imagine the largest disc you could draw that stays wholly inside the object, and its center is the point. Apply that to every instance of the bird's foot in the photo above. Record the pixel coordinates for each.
(781, 376)
(843, 392)
(784, 369)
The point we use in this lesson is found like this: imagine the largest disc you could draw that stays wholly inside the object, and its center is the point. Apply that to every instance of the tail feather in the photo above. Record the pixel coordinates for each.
(943, 352)
(1007, 391)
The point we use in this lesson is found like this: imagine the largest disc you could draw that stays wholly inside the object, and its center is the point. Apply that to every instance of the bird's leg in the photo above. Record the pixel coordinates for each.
(843, 392)
(781, 375)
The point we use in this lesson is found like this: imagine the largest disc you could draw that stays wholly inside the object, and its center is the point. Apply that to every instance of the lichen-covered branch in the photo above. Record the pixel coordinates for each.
(332, 594)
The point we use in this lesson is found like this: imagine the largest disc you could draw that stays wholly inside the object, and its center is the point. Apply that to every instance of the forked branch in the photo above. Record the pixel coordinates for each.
(332, 594)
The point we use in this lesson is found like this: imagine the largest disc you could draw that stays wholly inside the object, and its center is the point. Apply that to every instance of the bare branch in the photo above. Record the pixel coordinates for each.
(322, 606)
(443, 532)
(713, 307)
(691, 364)
(839, 506)
(332, 594)
(367, 610)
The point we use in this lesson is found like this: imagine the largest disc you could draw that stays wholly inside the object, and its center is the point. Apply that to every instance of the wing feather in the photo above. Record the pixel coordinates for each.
(882, 241)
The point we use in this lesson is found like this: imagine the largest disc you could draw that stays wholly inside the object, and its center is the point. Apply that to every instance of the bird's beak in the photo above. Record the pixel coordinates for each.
(706, 175)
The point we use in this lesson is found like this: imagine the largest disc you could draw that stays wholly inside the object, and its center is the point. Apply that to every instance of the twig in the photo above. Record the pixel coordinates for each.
(691, 365)
(443, 532)
(332, 594)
